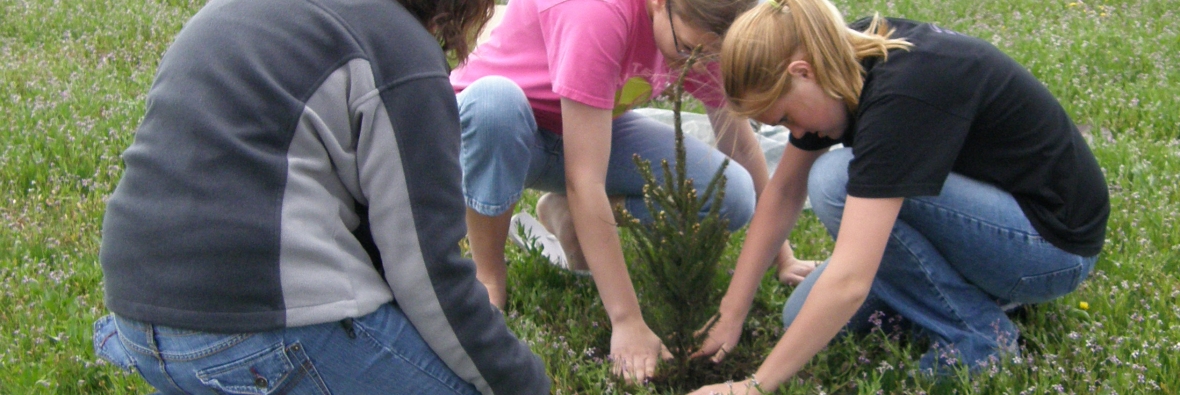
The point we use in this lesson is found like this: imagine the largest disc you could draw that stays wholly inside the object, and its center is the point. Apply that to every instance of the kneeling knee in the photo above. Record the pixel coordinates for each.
(740, 199)
(494, 102)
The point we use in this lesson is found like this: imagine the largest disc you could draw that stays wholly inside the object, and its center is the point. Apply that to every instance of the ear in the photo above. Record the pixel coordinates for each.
(801, 69)
(655, 5)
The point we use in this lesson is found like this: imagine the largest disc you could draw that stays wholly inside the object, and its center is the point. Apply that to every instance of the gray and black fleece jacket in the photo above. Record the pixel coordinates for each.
(298, 164)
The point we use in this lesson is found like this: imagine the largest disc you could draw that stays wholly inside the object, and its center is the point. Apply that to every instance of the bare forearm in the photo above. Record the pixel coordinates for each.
(774, 218)
(777, 211)
(736, 139)
(595, 225)
(744, 149)
(839, 291)
(829, 306)
(587, 146)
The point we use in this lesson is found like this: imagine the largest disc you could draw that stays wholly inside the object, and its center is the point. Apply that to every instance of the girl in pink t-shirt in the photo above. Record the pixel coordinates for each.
(546, 104)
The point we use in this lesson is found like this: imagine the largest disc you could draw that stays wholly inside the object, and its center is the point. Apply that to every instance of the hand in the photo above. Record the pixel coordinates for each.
(792, 271)
(744, 387)
(635, 351)
(723, 336)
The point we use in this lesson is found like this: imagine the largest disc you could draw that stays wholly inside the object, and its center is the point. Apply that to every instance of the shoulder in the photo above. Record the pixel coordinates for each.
(378, 22)
(389, 36)
(590, 24)
(590, 11)
(944, 68)
(546, 5)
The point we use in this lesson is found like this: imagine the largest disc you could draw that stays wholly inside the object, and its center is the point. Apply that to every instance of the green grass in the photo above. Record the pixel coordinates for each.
(73, 75)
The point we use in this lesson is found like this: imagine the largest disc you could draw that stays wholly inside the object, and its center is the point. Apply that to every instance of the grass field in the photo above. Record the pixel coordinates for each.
(73, 75)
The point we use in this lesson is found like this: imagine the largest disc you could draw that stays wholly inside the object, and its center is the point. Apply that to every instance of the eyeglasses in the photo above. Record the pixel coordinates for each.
(675, 41)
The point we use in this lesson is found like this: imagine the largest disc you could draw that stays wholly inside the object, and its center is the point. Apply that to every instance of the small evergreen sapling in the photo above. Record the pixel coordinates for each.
(679, 251)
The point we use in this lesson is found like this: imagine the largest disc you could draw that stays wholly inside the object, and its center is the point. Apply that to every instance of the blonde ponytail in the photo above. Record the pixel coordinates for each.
(762, 42)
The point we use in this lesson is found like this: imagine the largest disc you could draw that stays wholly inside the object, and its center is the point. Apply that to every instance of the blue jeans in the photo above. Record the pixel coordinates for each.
(380, 353)
(951, 261)
(505, 152)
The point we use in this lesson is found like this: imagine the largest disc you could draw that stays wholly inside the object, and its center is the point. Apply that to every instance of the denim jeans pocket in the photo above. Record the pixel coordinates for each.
(278, 369)
(108, 346)
(1046, 287)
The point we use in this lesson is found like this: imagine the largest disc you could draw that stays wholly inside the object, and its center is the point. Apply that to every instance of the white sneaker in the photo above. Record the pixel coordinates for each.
(527, 233)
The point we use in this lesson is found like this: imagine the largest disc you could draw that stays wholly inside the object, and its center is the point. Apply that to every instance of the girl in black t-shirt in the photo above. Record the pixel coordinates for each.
(965, 187)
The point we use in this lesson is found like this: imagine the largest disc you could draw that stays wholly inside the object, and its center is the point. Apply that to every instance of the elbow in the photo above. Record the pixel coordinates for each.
(851, 290)
(573, 190)
(856, 296)
(851, 298)
(576, 187)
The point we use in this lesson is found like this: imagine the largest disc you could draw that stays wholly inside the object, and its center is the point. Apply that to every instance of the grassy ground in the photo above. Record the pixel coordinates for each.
(72, 84)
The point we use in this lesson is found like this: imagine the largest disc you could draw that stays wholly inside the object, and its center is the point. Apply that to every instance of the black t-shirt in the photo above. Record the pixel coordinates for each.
(956, 103)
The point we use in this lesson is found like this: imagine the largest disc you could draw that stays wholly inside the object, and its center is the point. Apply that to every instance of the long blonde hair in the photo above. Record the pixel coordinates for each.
(761, 43)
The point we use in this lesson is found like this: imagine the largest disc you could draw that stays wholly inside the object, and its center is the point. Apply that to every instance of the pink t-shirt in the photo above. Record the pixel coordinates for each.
(601, 53)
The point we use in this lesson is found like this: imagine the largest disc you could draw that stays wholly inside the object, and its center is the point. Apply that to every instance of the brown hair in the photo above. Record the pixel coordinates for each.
(762, 42)
(455, 22)
(713, 16)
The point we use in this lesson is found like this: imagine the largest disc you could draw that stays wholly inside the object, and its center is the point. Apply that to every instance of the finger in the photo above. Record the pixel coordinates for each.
(635, 371)
(706, 349)
(627, 375)
(793, 279)
(637, 374)
(618, 366)
(811, 265)
(708, 324)
(720, 354)
(649, 368)
(628, 371)
(664, 353)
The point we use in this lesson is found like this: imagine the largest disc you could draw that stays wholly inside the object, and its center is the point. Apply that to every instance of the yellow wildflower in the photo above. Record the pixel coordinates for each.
(1084, 306)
